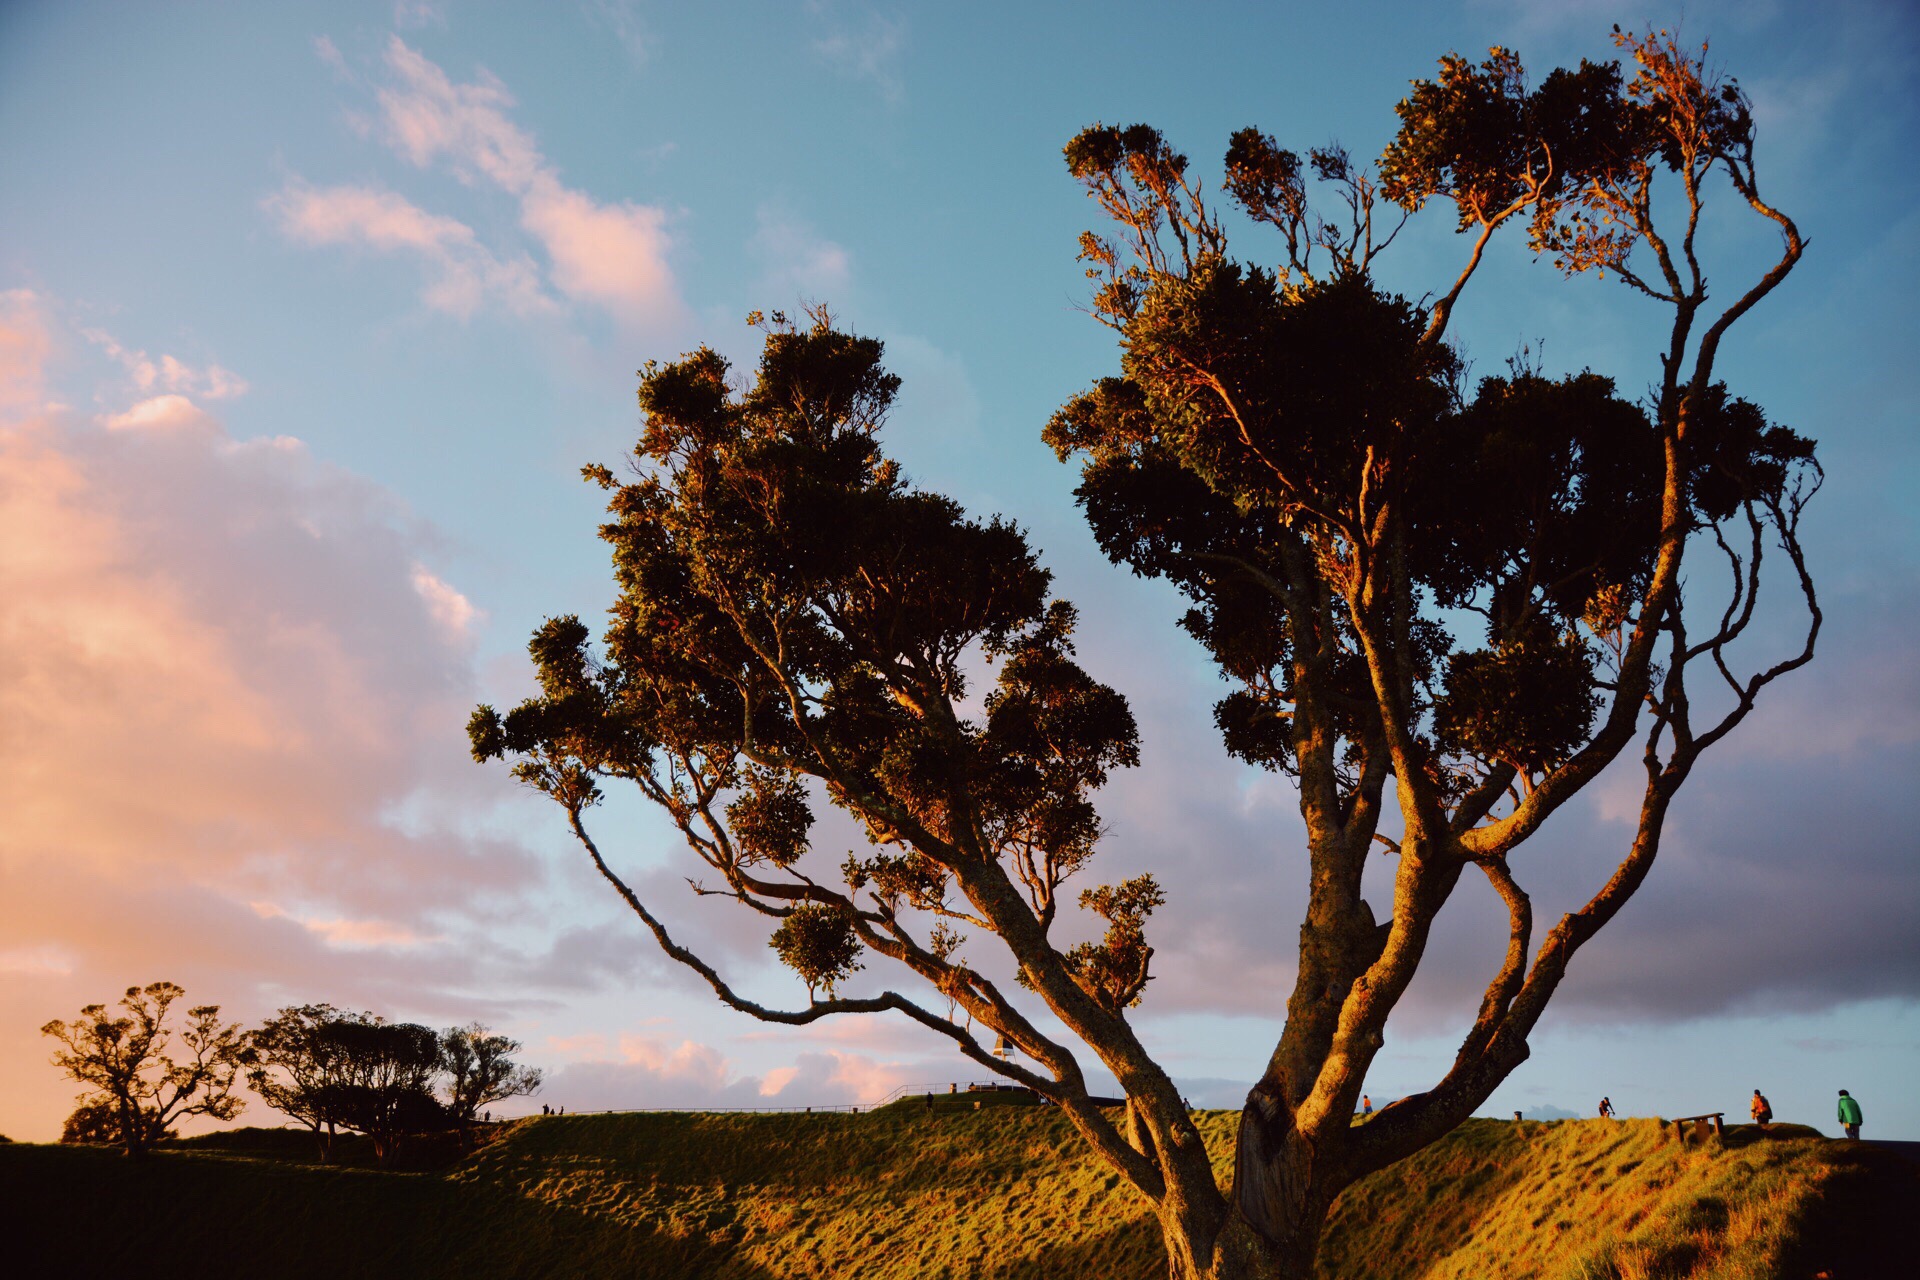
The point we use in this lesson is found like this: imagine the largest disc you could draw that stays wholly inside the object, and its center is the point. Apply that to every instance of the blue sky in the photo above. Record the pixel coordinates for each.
(314, 311)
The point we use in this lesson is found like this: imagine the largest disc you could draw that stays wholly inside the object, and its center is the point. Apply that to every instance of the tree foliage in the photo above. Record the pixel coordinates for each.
(142, 1082)
(1296, 448)
(386, 1090)
(819, 943)
(480, 1071)
(333, 1070)
(96, 1123)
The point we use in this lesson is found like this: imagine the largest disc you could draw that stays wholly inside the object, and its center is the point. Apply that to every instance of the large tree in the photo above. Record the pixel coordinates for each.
(1294, 447)
(141, 1082)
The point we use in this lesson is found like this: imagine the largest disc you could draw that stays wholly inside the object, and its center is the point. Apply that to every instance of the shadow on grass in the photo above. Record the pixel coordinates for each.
(1129, 1252)
(88, 1212)
(1860, 1224)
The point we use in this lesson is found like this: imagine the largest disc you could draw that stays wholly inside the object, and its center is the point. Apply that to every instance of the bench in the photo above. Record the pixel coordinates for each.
(1700, 1126)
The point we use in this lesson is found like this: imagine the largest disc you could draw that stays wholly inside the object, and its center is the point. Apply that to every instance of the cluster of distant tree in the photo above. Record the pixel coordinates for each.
(330, 1069)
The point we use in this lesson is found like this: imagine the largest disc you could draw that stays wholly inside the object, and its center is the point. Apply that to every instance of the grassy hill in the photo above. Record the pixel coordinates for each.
(904, 1192)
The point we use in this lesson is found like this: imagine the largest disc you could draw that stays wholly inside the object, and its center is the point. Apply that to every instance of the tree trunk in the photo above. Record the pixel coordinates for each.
(1239, 1252)
(1273, 1214)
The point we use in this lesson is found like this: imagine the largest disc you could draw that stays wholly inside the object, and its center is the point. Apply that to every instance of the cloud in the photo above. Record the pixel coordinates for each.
(329, 54)
(867, 47)
(463, 275)
(419, 13)
(647, 1072)
(622, 19)
(25, 347)
(449, 608)
(343, 933)
(169, 373)
(31, 961)
(613, 256)
(160, 413)
(610, 255)
(796, 262)
(227, 677)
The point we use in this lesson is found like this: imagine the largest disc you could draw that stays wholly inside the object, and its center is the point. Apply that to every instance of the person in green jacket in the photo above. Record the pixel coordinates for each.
(1850, 1116)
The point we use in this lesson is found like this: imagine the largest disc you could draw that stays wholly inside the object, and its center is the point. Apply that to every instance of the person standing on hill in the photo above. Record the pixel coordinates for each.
(1850, 1116)
(1366, 1105)
(1762, 1110)
(1606, 1108)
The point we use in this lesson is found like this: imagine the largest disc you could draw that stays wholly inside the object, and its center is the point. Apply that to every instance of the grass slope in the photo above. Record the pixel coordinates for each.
(1003, 1192)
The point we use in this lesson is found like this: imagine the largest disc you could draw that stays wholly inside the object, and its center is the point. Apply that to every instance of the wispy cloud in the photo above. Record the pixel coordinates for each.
(329, 53)
(866, 46)
(463, 275)
(621, 19)
(611, 256)
(654, 1071)
(797, 262)
(169, 373)
(349, 934)
(414, 14)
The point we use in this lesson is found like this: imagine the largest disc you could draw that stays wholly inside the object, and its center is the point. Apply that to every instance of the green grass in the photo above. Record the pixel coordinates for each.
(1003, 1192)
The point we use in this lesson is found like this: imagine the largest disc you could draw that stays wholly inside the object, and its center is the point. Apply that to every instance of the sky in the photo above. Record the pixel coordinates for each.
(310, 314)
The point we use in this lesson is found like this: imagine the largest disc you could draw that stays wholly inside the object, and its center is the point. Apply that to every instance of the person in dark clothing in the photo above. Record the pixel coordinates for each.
(1850, 1116)
(1762, 1110)
(1606, 1108)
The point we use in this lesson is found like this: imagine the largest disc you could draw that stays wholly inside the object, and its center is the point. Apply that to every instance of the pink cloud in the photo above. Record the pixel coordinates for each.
(654, 1072)
(169, 373)
(25, 346)
(170, 412)
(429, 116)
(614, 256)
(224, 670)
(449, 608)
(611, 256)
(464, 275)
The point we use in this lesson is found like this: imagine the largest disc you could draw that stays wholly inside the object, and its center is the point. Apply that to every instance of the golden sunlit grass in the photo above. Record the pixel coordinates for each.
(1001, 1192)
(1596, 1200)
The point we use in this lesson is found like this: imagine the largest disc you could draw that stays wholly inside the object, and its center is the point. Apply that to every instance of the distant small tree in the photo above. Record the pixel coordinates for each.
(481, 1071)
(129, 1063)
(301, 1068)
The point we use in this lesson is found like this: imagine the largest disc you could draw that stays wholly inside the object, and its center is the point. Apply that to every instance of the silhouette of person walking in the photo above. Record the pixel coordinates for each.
(1762, 1110)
